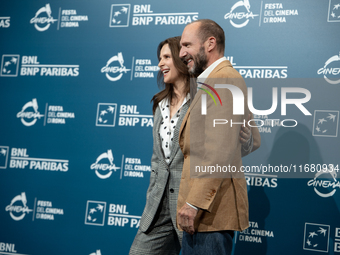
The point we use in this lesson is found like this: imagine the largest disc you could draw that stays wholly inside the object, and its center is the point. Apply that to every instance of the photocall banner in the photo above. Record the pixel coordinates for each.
(76, 80)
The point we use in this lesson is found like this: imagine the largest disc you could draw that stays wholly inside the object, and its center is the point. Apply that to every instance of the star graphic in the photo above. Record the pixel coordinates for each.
(93, 210)
(103, 112)
(333, 14)
(336, 6)
(3, 152)
(308, 242)
(317, 129)
(110, 109)
(322, 231)
(312, 234)
(117, 13)
(100, 207)
(331, 117)
(124, 9)
(322, 121)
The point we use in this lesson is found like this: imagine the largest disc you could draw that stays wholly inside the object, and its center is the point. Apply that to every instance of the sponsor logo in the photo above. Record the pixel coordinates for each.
(337, 240)
(101, 167)
(57, 115)
(265, 72)
(21, 160)
(128, 116)
(240, 14)
(18, 207)
(31, 67)
(120, 14)
(95, 213)
(9, 65)
(54, 114)
(334, 11)
(143, 15)
(3, 156)
(8, 248)
(130, 167)
(70, 18)
(45, 210)
(316, 237)
(141, 68)
(329, 70)
(115, 68)
(326, 123)
(5, 22)
(325, 182)
(117, 215)
(144, 69)
(29, 118)
(106, 115)
(261, 180)
(42, 23)
(275, 13)
(67, 18)
(254, 233)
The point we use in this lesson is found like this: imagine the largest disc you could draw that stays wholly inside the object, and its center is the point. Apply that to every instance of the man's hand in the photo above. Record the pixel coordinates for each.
(245, 133)
(185, 217)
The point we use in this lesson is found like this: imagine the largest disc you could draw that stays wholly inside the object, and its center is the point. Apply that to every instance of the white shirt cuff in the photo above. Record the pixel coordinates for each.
(192, 206)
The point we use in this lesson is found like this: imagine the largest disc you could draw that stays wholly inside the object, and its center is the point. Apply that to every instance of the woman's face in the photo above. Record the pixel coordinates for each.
(166, 64)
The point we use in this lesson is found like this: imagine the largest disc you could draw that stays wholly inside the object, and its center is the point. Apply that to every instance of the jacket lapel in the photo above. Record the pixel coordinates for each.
(156, 137)
(175, 144)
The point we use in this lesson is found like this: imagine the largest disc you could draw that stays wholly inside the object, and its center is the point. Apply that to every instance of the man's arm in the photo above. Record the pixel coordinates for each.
(249, 137)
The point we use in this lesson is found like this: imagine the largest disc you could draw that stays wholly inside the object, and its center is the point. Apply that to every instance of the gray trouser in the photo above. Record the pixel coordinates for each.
(162, 238)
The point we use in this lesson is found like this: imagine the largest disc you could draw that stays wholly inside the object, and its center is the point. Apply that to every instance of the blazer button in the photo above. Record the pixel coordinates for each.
(171, 190)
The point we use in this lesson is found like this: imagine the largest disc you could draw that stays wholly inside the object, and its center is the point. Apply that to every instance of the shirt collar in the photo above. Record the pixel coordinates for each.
(210, 68)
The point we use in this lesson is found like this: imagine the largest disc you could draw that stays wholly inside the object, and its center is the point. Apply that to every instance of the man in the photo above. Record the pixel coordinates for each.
(210, 209)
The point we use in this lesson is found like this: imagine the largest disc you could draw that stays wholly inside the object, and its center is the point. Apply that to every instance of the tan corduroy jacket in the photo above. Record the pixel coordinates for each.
(223, 200)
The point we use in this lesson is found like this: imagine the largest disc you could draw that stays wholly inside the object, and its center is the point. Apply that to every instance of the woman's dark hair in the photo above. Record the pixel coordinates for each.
(168, 89)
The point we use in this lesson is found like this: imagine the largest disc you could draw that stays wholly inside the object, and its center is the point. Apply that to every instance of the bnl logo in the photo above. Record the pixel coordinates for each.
(316, 237)
(238, 99)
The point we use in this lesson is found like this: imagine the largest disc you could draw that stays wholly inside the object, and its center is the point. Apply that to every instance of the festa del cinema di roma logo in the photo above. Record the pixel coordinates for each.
(40, 22)
(16, 211)
(238, 102)
(100, 168)
(322, 186)
(240, 15)
(331, 71)
(26, 115)
(114, 72)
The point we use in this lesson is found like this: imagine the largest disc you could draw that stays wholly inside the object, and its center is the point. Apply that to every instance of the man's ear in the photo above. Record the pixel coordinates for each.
(211, 43)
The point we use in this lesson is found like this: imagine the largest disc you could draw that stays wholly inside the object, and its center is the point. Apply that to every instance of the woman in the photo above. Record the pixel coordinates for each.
(158, 233)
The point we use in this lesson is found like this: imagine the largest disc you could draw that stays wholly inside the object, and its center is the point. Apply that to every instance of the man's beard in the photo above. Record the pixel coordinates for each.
(200, 63)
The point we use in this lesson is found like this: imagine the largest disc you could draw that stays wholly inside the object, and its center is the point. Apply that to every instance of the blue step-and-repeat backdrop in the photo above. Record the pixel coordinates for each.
(76, 82)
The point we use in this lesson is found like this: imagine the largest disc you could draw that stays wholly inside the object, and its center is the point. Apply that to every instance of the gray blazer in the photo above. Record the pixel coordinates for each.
(164, 177)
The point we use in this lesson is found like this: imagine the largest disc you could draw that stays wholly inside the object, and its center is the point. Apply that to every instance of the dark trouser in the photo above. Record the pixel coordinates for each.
(208, 243)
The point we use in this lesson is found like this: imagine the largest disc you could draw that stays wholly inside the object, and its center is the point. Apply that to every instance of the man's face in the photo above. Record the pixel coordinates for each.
(192, 50)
